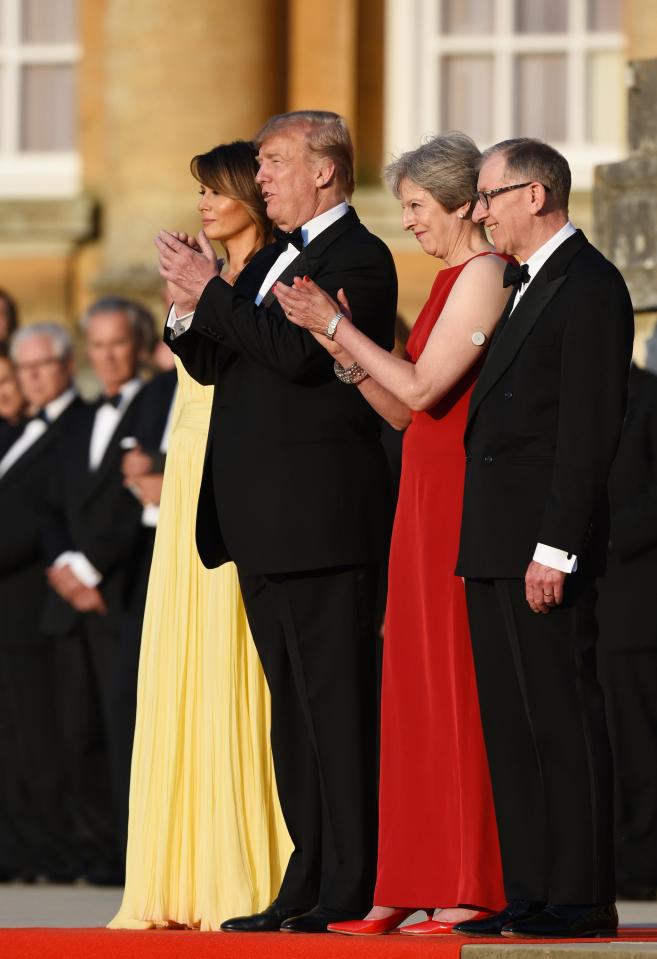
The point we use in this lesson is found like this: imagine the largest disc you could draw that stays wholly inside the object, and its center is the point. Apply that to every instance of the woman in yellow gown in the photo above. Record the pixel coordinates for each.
(206, 837)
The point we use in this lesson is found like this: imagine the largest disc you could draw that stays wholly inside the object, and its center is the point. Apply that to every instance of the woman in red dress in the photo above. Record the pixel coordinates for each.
(438, 844)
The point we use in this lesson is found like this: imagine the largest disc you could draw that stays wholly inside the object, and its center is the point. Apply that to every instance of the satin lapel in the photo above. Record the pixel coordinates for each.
(516, 330)
(303, 264)
(521, 322)
(29, 456)
(298, 267)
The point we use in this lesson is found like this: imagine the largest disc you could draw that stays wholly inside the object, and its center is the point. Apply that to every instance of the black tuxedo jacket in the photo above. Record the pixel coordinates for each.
(545, 418)
(295, 477)
(23, 489)
(153, 415)
(626, 617)
(91, 512)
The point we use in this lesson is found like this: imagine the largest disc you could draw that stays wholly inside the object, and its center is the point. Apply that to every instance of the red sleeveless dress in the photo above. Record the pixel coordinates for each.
(438, 843)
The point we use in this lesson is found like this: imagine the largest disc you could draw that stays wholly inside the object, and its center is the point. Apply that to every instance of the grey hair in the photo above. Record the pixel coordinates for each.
(60, 338)
(327, 136)
(534, 160)
(446, 166)
(140, 319)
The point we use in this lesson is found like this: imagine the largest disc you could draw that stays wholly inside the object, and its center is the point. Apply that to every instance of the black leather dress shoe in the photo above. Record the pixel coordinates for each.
(566, 922)
(317, 920)
(270, 920)
(493, 925)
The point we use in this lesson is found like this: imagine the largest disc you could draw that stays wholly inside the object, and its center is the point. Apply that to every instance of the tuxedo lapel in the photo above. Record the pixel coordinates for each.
(298, 267)
(516, 327)
(29, 456)
(303, 264)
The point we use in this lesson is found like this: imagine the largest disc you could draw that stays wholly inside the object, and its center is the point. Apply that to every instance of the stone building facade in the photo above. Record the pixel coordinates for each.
(155, 81)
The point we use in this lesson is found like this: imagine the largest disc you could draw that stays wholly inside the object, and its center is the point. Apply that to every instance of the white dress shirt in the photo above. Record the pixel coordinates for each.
(35, 429)
(309, 230)
(107, 419)
(537, 259)
(549, 555)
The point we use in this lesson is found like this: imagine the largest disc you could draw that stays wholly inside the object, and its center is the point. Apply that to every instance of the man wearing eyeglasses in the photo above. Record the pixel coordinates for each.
(33, 839)
(543, 427)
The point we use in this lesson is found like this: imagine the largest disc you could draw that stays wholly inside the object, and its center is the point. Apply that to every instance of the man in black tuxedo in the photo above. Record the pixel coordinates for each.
(90, 528)
(31, 779)
(295, 490)
(627, 661)
(543, 427)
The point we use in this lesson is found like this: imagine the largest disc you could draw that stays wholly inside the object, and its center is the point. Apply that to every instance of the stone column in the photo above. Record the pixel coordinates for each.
(625, 203)
(322, 57)
(179, 78)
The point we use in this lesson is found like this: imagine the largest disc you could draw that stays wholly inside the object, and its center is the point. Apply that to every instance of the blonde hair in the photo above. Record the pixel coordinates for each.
(327, 136)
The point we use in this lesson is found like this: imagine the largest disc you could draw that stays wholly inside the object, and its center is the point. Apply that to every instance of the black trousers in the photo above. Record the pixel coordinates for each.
(544, 724)
(629, 680)
(34, 828)
(316, 637)
(83, 667)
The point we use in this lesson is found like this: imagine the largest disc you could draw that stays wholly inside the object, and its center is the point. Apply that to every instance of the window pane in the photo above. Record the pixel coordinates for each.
(467, 96)
(540, 87)
(48, 108)
(468, 16)
(49, 21)
(604, 14)
(541, 16)
(605, 111)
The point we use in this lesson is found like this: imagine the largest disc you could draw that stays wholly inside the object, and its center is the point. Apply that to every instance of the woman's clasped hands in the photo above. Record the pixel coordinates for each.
(305, 304)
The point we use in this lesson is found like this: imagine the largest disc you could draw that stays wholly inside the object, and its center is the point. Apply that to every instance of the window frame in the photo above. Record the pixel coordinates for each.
(26, 173)
(415, 46)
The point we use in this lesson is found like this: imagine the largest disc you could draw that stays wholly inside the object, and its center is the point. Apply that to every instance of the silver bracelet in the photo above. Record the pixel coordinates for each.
(352, 375)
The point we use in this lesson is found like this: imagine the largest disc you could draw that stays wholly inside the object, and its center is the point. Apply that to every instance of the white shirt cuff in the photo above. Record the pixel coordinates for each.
(81, 567)
(556, 558)
(150, 515)
(179, 324)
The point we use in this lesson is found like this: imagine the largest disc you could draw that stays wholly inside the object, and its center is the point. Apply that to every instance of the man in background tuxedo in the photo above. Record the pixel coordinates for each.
(31, 775)
(91, 527)
(295, 491)
(627, 661)
(143, 472)
(543, 427)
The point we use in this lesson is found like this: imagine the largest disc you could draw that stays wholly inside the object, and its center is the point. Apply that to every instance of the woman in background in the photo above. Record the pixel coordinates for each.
(206, 837)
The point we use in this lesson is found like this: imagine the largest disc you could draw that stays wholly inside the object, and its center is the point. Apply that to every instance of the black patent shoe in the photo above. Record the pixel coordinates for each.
(493, 925)
(318, 919)
(270, 920)
(567, 922)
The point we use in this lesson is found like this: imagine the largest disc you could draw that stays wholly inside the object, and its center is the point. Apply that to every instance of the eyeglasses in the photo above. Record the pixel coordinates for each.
(485, 196)
(37, 364)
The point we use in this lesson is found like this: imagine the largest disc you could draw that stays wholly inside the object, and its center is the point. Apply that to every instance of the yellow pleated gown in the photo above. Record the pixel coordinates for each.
(206, 837)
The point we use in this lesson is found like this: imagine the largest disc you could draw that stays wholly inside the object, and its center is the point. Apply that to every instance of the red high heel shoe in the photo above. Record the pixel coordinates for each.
(434, 927)
(371, 927)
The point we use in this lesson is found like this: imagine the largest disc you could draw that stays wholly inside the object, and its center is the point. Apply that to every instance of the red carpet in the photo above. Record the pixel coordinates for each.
(105, 944)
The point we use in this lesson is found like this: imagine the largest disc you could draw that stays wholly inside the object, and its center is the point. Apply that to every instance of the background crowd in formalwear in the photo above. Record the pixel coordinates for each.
(79, 488)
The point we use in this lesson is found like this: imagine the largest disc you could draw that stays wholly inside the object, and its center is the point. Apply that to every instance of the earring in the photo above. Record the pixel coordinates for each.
(460, 215)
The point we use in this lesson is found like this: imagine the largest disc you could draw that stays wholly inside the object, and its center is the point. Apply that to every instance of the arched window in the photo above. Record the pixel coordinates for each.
(38, 111)
(552, 69)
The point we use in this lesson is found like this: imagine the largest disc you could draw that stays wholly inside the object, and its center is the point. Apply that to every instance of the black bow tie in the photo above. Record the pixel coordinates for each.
(295, 238)
(41, 415)
(105, 400)
(516, 275)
